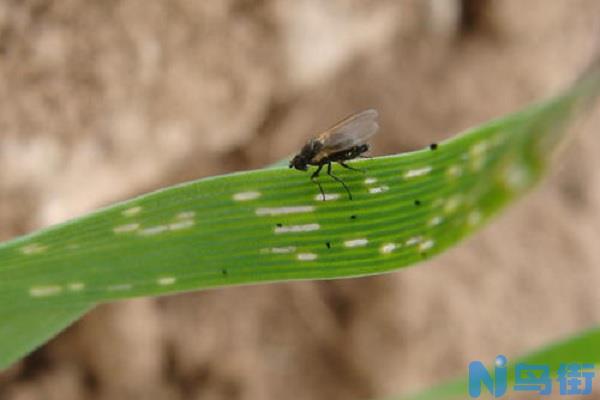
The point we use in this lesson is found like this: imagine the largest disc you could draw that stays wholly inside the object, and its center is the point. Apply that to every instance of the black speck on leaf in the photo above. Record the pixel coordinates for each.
(328, 244)
(433, 146)
(417, 202)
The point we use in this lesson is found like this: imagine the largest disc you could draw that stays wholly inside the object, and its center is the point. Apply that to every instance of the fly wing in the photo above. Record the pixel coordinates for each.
(351, 131)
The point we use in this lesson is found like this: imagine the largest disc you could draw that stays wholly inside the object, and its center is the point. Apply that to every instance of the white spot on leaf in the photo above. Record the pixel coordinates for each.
(417, 172)
(186, 215)
(153, 230)
(474, 218)
(328, 196)
(356, 242)
(477, 153)
(283, 250)
(181, 225)
(297, 228)
(76, 286)
(167, 280)
(130, 212)
(454, 171)
(426, 245)
(379, 189)
(435, 221)
(34, 248)
(517, 177)
(414, 240)
(306, 256)
(388, 248)
(452, 204)
(245, 196)
(370, 181)
(119, 287)
(479, 149)
(44, 291)
(126, 228)
(284, 210)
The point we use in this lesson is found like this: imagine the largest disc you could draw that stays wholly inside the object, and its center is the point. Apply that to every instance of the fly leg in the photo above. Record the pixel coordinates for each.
(314, 177)
(343, 164)
(338, 179)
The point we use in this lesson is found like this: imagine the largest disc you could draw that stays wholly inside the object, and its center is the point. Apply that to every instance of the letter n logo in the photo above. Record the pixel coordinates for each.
(479, 375)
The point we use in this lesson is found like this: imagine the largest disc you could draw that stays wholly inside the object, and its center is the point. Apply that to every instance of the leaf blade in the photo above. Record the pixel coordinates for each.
(270, 225)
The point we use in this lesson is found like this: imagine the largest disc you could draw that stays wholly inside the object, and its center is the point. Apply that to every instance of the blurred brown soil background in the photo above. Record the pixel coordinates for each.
(100, 101)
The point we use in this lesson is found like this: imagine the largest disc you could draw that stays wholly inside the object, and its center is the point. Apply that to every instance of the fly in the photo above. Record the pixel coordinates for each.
(344, 141)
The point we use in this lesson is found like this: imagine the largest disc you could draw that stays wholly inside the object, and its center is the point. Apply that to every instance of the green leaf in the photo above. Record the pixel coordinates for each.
(580, 348)
(25, 328)
(271, 225)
